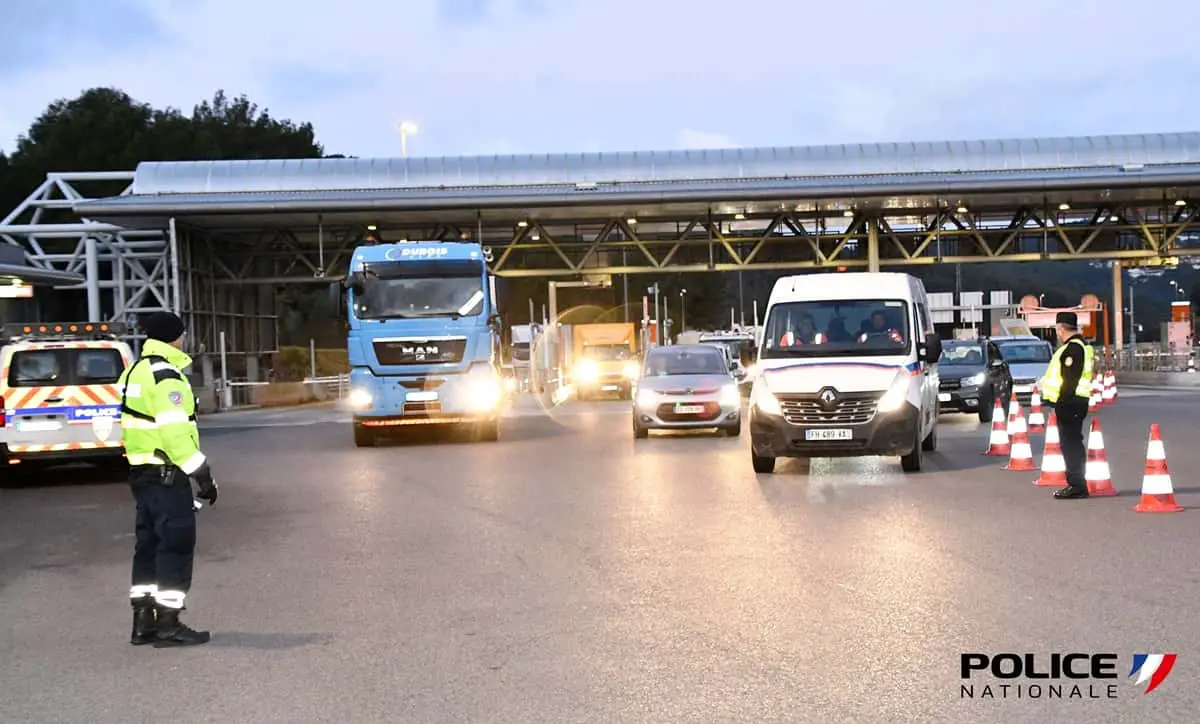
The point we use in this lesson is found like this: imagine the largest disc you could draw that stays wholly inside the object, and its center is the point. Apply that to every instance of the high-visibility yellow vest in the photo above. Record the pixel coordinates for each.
(158, 410)
(1051, 383)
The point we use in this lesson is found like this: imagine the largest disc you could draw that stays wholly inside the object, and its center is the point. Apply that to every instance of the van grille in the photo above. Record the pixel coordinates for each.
(851, 408)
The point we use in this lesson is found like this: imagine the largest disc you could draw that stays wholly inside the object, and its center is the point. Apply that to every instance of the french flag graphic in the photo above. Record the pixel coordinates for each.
(1152, 668)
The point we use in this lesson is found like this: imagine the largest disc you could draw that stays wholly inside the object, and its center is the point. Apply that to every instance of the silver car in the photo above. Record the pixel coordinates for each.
(686, 386)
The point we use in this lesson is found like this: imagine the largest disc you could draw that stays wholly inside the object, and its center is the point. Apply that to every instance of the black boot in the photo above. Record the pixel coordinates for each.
(144, 622)
(171, 632)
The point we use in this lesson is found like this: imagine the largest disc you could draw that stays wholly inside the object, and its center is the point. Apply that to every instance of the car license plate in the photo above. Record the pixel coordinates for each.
(689, 409)
(1023, 388)
(943, 397)
(38, 425)
(421, 396)
(610, 388)
(841, 434)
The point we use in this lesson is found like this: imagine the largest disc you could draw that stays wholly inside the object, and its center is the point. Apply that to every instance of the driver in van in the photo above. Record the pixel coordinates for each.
(879, 329)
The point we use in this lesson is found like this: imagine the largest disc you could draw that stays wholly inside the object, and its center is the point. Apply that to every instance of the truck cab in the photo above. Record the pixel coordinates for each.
(424, 339)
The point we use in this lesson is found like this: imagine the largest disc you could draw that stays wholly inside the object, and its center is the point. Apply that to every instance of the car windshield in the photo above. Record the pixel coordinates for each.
(961, 355)
(1025, 352)
(865, 327)
(607, 352)
(666, 361)
(451, 290)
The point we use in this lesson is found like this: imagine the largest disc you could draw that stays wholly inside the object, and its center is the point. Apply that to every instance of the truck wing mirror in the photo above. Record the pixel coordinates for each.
(355, 282)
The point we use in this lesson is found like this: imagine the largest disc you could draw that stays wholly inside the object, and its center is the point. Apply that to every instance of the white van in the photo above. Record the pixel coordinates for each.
(847, 367)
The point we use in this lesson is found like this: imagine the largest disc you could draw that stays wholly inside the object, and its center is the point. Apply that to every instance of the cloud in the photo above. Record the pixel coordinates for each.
(570, 75)
(701, 140)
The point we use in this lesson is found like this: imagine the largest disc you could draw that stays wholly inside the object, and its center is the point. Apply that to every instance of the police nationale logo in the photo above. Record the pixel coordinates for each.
(176, 398)
(102, 428)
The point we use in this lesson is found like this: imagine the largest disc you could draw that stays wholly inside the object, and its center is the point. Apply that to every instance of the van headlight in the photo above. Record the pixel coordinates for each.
(896, 395)
(359, 398)
(731, 396)
(631, 371)
(762, 398)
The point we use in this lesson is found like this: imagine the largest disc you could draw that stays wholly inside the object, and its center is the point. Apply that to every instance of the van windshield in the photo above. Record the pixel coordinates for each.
(829, 328)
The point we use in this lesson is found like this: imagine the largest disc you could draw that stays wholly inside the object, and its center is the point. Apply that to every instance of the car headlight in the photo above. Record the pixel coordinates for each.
(977, 379)
(587, 371)
(359, 398)
(762, 398)
(731, 396)
(631, 371)
(896, 395)
(646, 398)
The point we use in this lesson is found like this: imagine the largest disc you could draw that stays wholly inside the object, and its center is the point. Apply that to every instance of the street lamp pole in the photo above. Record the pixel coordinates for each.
(682, 310)
(407, 128)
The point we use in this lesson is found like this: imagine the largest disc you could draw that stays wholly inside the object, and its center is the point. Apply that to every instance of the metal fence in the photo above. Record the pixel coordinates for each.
(1153, 359)
(237, 393)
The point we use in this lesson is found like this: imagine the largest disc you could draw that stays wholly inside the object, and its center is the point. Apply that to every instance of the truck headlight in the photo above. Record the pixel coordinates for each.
(762, 398)
(510, 383)
(731, 396)
(631, 371)
(587, 371)
(896, 395)
(484, 393)
(359, 398)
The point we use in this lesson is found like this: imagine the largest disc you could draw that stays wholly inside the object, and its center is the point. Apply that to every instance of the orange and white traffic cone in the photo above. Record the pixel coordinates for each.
(1096, 401)
(1037, 420)
(1021, 456)
(998, 443)
(1097, 473)
(1158, 495)
(1054, 468)
(1108, 396)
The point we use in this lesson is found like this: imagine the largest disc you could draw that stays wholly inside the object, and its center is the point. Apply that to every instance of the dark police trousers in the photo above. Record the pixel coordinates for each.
(165, 529)
(1071, 414)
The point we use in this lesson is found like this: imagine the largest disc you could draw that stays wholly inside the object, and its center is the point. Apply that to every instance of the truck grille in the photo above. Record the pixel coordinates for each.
(851, 408)
(420, 351)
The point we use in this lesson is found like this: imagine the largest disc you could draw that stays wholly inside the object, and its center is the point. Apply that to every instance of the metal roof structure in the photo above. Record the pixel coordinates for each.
(428, 184)
(36, 276)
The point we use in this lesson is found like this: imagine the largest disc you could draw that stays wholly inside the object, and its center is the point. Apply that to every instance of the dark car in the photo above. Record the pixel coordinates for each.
(973, 376)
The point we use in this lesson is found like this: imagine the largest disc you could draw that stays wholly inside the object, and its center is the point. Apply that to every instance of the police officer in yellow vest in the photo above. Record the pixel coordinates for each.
(158, 424)
(1067, 385)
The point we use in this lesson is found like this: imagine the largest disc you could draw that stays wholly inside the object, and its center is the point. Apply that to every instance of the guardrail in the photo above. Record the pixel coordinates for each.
(1154, 360)
(246, 393)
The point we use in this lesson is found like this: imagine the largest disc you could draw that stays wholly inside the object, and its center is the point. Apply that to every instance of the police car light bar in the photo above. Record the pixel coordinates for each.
(65, 329)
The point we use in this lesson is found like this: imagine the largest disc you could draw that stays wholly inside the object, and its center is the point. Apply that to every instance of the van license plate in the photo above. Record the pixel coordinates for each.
(689, 409)
(421, 396)
(943, 397)
(38, 425)
(842, 434)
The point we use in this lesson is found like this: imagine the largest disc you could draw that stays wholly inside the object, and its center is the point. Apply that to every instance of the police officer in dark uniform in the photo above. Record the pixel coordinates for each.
(1067, 385)
(162, 445)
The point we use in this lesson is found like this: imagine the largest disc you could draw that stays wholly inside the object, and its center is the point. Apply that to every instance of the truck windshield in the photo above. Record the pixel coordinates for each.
(829, 328)
(416, 289)
(607, 352)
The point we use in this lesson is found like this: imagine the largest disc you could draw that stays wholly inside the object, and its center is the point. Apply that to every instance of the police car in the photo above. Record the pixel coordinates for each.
(59, 399)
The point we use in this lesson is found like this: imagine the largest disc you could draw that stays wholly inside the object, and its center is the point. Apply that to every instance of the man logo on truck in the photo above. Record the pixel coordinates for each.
(419, 353)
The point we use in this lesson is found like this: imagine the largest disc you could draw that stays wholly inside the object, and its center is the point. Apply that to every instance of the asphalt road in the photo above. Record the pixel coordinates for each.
(569, 573)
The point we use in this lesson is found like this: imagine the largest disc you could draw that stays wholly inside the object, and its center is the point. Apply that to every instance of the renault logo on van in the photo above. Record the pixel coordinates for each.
(828, 397)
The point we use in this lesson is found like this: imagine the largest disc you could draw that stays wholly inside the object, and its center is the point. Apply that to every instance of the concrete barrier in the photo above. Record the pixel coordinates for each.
(1159, 379)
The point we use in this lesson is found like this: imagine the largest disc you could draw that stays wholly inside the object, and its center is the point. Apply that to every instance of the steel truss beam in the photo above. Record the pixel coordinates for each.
(779, 241)
(132, 272)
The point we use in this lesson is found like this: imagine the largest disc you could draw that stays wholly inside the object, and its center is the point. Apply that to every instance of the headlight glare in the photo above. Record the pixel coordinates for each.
(632, 370)
(762, 398)
(587, 371)
(359, 398)
(977, 379)
(731, 396)
(646, 398)
(896, 395)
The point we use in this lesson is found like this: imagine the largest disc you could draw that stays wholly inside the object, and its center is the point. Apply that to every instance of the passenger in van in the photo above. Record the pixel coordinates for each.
(806, 334)
(879, 331)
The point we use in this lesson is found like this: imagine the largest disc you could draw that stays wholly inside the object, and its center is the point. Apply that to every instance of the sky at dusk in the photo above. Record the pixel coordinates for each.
(536, 76)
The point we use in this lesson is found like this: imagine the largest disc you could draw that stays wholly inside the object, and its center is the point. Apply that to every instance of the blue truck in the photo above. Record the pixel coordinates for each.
(424, 339)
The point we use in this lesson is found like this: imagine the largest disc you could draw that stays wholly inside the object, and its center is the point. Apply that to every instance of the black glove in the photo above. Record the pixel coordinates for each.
(208, 486)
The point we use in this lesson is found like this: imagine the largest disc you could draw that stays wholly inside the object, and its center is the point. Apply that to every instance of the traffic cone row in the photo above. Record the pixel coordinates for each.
(1037, 420)
(1108, 394)
(1012, 439)
(1097, 399)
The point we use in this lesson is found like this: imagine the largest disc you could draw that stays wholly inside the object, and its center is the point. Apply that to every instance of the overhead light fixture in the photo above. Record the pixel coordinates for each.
(961, 209)
(1064, 206)
(535, 236)
(522, 224)
(1114, 218)
(848, 213)
(372, 227)
(1180, 202)
(631, 220)
(739, 216)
